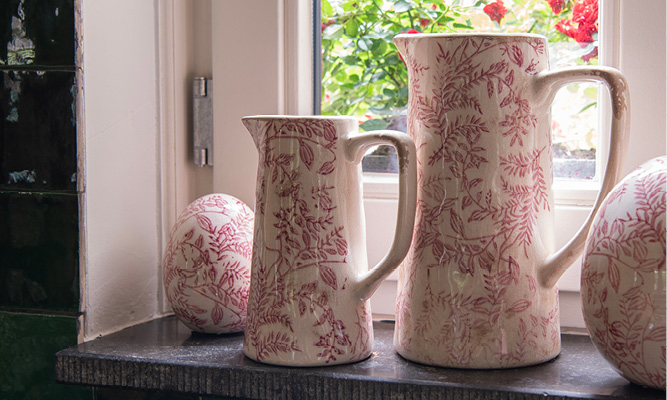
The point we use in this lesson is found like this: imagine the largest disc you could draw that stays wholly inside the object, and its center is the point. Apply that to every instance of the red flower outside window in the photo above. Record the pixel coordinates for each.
(565, 26)
(585, 16)
(557, 6)
(585, 12)
(496, 10)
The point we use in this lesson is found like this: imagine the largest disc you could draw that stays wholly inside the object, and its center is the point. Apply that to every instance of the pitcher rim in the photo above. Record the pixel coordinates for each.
(452, 35)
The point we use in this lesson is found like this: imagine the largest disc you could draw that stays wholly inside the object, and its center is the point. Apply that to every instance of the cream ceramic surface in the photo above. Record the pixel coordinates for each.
(206, 265)
(477, 289)
(310, 285)
(623, 276)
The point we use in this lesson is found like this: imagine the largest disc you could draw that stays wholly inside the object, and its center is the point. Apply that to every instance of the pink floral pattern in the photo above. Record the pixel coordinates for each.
(297, 314)
(468, 294)
(623, 276)
(206, 266)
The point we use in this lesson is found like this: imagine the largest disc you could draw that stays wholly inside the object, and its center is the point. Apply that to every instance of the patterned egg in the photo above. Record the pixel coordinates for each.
(206, 264)
(623, 276)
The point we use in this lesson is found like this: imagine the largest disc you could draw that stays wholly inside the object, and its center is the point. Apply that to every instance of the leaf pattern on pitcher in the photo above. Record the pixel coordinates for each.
(307, 242)
(477, 228)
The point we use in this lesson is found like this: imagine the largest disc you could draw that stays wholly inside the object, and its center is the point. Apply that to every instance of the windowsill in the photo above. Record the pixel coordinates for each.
(164, 355)
(567, 192)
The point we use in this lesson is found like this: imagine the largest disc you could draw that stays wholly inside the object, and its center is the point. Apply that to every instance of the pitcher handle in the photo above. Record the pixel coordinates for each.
(356, 146)
(549, 82)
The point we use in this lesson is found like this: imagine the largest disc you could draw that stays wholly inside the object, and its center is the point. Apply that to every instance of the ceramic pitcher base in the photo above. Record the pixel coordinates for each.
(293, 362)
(429, 358)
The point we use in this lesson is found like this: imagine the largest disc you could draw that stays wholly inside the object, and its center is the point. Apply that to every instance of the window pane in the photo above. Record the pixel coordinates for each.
(363, 75)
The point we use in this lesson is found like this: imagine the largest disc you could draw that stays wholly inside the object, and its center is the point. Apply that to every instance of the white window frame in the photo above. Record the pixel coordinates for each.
(282, 35)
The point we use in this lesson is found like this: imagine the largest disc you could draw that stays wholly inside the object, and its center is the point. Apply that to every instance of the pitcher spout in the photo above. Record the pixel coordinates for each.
(253, 125)
(401, 44)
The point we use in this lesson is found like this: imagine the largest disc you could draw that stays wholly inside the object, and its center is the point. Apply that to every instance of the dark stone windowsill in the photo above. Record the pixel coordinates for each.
(164, 355)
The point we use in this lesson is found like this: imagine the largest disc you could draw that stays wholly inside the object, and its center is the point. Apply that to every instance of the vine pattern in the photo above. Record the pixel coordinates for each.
(476, 230)
(207, 264)
(296, 267)
(624, 252)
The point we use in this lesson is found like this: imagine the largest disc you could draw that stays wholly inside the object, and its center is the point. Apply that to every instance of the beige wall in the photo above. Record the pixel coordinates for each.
(120, 248)
(138, 159)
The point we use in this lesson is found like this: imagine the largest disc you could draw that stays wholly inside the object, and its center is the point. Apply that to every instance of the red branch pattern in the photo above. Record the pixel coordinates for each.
(624, 254)
(207, 264)
(304, 244)
(483, 183)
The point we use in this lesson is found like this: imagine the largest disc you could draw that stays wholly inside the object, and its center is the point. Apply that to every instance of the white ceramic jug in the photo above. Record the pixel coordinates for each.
(310, 281)
(477, 289)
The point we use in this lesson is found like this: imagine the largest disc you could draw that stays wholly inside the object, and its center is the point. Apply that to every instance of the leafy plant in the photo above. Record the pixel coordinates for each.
(363, 73)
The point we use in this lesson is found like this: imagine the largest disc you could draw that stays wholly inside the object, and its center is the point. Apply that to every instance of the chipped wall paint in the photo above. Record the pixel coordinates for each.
(21, 49)
(12, 82)
(27, 176)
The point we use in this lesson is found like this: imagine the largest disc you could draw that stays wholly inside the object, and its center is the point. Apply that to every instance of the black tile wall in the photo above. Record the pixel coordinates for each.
(37, 131)
(38, 157)
(39, 228)
(37, 32)
(39, 251)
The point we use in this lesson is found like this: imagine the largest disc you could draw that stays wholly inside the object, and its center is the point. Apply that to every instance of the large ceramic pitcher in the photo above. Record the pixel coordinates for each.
(310, 283)
(478, 287)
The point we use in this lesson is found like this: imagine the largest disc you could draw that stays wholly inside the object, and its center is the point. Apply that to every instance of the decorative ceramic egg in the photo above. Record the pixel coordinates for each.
(623, 276)
(206, 264)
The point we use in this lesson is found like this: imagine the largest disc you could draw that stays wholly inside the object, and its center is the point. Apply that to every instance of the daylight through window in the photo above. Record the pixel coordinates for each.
(363, 74)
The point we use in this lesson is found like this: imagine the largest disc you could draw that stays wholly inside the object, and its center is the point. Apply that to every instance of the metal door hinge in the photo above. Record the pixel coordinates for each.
(202, 104)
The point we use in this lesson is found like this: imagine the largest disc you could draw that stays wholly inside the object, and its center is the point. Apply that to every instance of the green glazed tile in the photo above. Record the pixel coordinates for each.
(131, 394)
(39, 251)
(27, 356)
(37, 33)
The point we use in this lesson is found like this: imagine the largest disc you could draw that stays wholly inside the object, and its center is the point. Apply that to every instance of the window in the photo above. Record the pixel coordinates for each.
(363, 74)
(256, 63)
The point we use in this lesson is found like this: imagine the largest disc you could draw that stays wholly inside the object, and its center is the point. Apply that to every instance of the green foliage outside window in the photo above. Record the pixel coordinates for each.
(363, 74)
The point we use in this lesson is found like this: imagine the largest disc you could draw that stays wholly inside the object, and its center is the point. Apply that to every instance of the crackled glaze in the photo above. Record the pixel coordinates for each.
(623, 276)
(308, 299)
(206, 264)
(475, 290)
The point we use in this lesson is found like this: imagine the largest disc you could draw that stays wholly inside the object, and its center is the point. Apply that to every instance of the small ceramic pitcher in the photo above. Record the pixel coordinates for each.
(478, 288)
(310, 284)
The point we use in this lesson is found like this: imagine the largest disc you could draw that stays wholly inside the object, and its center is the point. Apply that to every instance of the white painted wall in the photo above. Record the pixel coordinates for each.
(184, 52)
(249, 79)
(120, 206)
(642, 60)
(139, 60)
